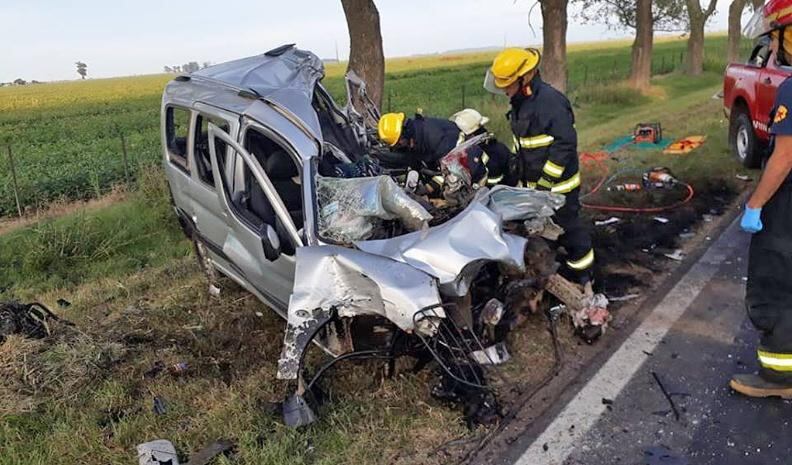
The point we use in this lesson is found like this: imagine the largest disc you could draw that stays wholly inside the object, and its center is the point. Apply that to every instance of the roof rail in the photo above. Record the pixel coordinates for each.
(278, 51)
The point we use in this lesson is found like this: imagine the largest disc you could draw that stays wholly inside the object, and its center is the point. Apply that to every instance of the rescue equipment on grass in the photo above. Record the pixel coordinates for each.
(648, 132)
(685, 145)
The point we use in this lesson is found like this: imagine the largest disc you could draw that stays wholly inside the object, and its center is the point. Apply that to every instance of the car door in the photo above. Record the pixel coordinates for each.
(260, 229)
(208, 214)
(770, 78)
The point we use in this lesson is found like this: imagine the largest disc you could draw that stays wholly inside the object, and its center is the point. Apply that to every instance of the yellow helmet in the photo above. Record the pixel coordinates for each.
(390, 127)
(509, 65)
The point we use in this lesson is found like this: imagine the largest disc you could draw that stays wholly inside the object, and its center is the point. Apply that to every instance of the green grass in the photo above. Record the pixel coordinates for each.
(63, 252)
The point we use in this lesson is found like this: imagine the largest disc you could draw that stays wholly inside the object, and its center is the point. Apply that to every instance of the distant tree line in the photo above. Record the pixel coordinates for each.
(19, 82)
(644, 17)
(190, 67)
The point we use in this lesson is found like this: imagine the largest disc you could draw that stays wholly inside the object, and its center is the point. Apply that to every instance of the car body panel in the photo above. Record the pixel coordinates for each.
(754, 85)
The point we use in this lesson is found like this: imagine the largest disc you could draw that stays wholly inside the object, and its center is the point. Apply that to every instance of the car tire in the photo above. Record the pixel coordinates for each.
(745, 146)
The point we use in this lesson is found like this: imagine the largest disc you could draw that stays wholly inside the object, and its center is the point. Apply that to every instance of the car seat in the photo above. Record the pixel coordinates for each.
(282, 171)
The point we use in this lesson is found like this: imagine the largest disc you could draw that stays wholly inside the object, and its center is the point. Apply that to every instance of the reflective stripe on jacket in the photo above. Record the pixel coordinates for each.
(545, 138)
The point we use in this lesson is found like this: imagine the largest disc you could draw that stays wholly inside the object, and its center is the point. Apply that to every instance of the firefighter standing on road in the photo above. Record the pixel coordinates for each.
(768, 216)
(545, 142)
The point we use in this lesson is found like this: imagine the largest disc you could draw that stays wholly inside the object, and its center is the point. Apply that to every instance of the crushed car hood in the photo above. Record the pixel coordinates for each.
(454, 251)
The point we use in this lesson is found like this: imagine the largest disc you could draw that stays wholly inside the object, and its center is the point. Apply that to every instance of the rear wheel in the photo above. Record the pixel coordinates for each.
(745, 146)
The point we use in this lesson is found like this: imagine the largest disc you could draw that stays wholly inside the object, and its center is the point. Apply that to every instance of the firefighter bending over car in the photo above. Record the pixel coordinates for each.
(768, 216)
(424, 141)
(545, 141)
(494, 155)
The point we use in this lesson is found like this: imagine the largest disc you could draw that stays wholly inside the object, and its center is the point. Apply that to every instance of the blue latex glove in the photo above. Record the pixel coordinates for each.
(751, 221)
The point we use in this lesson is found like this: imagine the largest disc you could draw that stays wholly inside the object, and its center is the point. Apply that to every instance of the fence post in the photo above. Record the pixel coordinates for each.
(463, 96)
(14, 180)
(585, 74)
(662, 66)
(390, 94)
(124, 153)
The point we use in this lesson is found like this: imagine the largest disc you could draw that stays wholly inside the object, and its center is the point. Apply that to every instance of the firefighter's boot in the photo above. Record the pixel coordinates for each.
(755, 386)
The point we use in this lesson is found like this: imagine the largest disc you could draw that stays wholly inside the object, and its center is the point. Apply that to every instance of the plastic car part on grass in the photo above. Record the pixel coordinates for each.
(159, 452)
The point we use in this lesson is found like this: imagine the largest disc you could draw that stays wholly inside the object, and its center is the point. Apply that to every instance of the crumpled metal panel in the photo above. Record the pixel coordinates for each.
(350, 207)
(354, 283)
(519, 203)
(453, 252)
(287, 80)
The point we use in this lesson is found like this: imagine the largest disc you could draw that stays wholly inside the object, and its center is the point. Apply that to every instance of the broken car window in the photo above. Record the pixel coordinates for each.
(177, 129)
(203, 161)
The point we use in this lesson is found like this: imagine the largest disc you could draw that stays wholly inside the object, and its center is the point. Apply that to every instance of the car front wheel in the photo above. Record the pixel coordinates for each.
(745, 146)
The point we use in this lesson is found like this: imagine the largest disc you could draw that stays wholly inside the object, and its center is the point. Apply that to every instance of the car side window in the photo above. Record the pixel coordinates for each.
(177, 129)
(248, 198)
(203, 163)
(760, 53)
(281, 169)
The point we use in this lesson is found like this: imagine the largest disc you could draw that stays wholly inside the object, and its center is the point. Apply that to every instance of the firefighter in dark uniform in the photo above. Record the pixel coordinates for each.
(768, 216)
(545, 143)
(494, 155)
(426, 141)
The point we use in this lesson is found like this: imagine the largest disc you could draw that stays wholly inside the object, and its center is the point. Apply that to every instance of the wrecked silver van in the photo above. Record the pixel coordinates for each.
(282, 190)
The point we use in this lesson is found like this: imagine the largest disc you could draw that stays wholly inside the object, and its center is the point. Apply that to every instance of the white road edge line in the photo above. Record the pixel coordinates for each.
(586, 407)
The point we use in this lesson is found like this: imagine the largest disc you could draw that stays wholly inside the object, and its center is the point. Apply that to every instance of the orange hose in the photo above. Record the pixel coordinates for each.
(616, 208)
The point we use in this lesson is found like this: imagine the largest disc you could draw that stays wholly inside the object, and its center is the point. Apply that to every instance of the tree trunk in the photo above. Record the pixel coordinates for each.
(641, 67)
(695, 46)
(554, 28)
(735, 33)
(366, 58)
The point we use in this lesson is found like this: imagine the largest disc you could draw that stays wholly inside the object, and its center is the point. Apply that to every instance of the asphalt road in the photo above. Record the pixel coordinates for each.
(691, 343)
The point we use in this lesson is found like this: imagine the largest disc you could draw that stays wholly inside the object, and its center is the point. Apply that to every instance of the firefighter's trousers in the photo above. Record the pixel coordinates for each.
(769, 289)
(576, 238)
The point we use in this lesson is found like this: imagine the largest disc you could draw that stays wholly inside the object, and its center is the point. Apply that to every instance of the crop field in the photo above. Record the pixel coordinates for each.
(66, 138)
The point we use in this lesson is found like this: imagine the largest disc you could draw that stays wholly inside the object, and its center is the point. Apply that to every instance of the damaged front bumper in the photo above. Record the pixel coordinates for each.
(424, 283)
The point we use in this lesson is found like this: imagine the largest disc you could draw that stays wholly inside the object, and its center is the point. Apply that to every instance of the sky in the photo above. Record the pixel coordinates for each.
(42, 39)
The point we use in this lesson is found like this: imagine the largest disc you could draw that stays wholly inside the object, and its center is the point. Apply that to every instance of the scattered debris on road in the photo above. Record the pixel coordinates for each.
(676, 255)
(661, 455)
(667, 395)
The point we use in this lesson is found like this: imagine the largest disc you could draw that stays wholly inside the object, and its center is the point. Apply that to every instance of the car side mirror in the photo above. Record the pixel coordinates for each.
(271, 243)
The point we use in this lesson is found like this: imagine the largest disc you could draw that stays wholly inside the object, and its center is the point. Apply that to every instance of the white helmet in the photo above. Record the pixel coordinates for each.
(469, 120)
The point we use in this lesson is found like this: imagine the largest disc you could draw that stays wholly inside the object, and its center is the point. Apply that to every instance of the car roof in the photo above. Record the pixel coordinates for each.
(285, 77)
